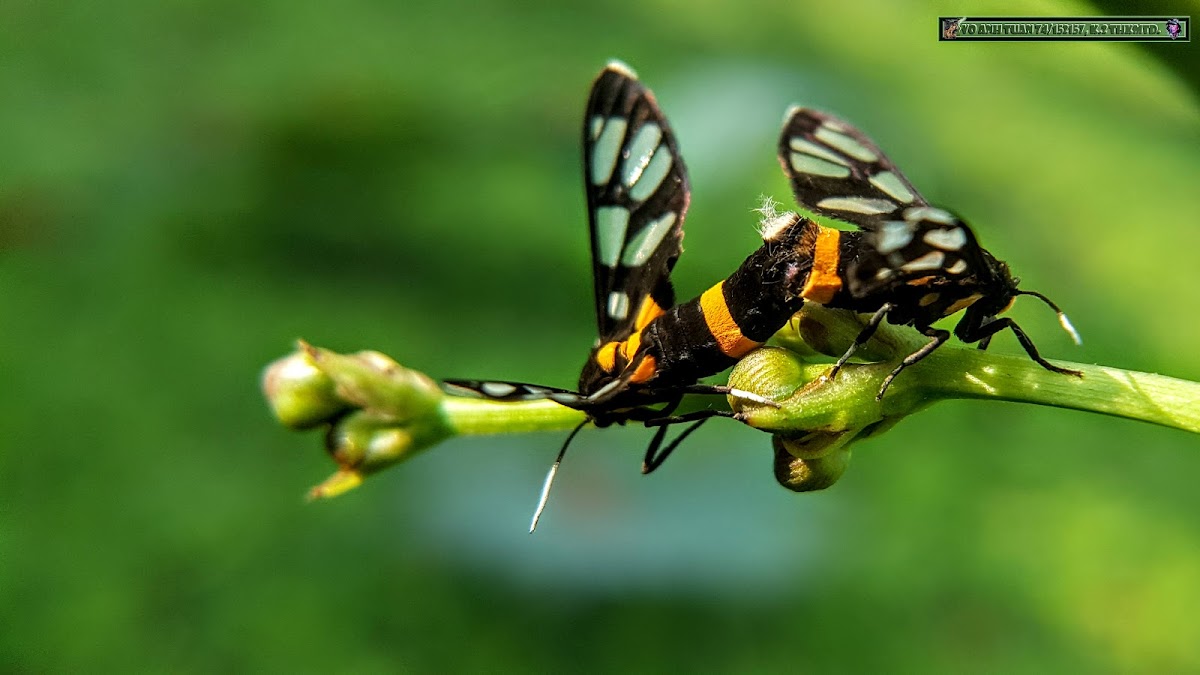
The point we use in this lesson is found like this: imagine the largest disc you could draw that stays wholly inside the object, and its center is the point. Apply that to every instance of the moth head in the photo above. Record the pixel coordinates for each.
(1003, 291)
(999, 286)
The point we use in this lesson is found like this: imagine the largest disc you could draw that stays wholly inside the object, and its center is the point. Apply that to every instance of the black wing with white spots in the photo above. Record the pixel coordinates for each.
(921, 242)
(637, 196)
(500, 390)
(836, 171)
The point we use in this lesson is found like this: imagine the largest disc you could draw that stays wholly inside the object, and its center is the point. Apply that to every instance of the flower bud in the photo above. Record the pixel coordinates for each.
(300, 394)
(822, 461)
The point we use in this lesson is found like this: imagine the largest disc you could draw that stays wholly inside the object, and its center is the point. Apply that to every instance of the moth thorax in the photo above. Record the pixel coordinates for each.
(772, 224)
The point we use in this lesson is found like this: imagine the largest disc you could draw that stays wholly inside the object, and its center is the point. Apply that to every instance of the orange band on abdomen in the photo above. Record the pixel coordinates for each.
(823, 281)
(721, 324)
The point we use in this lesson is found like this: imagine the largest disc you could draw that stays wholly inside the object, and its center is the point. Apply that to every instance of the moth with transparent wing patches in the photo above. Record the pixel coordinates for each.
(650, 352)
(911, 263)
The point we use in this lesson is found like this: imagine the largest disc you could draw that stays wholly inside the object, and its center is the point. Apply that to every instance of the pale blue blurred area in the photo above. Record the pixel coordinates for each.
(188, 187)
(701, 530)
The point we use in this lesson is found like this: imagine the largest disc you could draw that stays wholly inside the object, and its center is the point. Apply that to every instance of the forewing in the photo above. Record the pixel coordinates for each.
(498, 390)
(637, 195)
(836, 171)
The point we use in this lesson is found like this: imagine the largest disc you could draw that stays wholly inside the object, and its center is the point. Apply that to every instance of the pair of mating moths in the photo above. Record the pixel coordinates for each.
(910, 263)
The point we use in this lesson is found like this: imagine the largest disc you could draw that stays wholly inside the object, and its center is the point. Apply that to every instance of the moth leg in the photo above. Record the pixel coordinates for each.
(863, 336)
(939, 338)
(652, 460)
(715, 389)
(690, 417)
(720, 389)
(986, 332)
(654, 457)
(646, 414)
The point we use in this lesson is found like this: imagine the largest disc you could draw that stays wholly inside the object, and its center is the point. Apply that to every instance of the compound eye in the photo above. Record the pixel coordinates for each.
(1011, 302)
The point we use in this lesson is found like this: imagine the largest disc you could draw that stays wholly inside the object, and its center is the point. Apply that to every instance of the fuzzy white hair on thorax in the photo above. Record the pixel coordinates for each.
(771, 222)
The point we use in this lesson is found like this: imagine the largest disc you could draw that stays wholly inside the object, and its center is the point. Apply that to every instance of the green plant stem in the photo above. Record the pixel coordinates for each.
(378, 413)
(1147, 397)
(812, 402)
(474, 416)
(952, 372)
(848, 400)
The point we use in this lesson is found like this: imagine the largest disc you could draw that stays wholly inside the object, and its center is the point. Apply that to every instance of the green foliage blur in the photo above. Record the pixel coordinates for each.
(187, 187)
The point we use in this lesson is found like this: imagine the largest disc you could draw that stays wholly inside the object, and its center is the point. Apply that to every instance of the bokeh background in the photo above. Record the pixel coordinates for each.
(186, 187)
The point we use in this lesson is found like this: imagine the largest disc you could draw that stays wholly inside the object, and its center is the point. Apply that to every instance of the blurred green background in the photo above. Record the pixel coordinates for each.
(188, 187)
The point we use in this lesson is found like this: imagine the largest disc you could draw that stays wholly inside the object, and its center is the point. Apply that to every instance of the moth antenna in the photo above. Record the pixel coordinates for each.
(1062, 316)
(545, 496)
